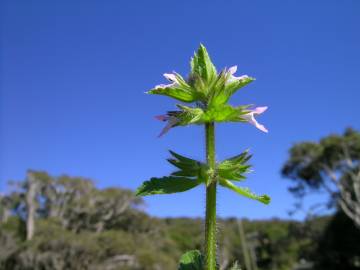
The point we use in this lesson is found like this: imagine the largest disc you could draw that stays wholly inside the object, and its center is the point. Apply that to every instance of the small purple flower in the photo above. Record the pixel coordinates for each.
(170, 77)
(171, 122)
(250, 117)
(233, 78)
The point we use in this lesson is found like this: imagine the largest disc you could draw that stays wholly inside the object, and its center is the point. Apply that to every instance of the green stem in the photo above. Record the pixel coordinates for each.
(210, 218)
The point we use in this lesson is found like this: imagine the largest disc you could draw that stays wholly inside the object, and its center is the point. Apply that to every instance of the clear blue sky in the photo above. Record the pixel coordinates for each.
(74, 73)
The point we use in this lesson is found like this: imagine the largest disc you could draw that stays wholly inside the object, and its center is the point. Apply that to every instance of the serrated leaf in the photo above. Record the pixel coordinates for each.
(233, 87)
(241, 158)
(189, 167)
(234, 168)
(202, 67)
(196, 115)
(222, 90)
(214, 97)
(176, 93)
(244, 191)
(166, 185)
(224, 113)
(189, 115)
(191, 260)
(182, 158)
(179, 89)
(236, 174)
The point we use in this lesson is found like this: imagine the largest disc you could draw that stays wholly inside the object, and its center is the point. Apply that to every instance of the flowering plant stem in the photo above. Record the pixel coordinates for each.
(210, 216)
(209, 91)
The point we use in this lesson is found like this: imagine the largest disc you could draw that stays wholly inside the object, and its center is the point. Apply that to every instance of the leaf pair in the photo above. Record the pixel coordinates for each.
(192, 173)
(196, 115)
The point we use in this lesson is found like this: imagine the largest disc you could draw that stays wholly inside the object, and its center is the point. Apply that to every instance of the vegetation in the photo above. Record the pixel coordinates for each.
(331, 165)
(75, 232)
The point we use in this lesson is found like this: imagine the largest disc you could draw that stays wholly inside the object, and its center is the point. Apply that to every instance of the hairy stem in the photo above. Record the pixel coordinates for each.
(210, 218)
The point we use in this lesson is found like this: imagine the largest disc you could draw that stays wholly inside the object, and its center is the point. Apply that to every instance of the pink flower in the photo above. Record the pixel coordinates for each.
(170, 77)
(233, 78)
(250, 117)
(171, 121)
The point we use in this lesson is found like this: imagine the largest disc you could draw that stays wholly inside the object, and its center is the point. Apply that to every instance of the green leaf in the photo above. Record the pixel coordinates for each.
(222, 90)
(189, 167)
(196, 115)
(189, 115)
(166, 185)
(182, 158)
(234, 168)
(191, 260)
(179, 90)
(241, 158)
(222, 113)
(244, 191)
(233, 87)
(176, 93)
(202, 67)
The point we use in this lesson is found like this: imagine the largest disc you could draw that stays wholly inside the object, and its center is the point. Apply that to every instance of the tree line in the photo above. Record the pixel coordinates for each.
(65, 222)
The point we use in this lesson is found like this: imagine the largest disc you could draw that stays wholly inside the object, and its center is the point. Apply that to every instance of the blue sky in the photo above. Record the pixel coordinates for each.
(74, 73)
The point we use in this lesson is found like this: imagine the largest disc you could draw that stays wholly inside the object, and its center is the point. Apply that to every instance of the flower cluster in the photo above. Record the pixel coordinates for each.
(210, 91)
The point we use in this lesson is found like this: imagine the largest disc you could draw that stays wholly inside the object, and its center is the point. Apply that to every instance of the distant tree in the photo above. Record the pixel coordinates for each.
(8, 204)
(73, 201)
(32, 187)
(331, 165)
(74, 225)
